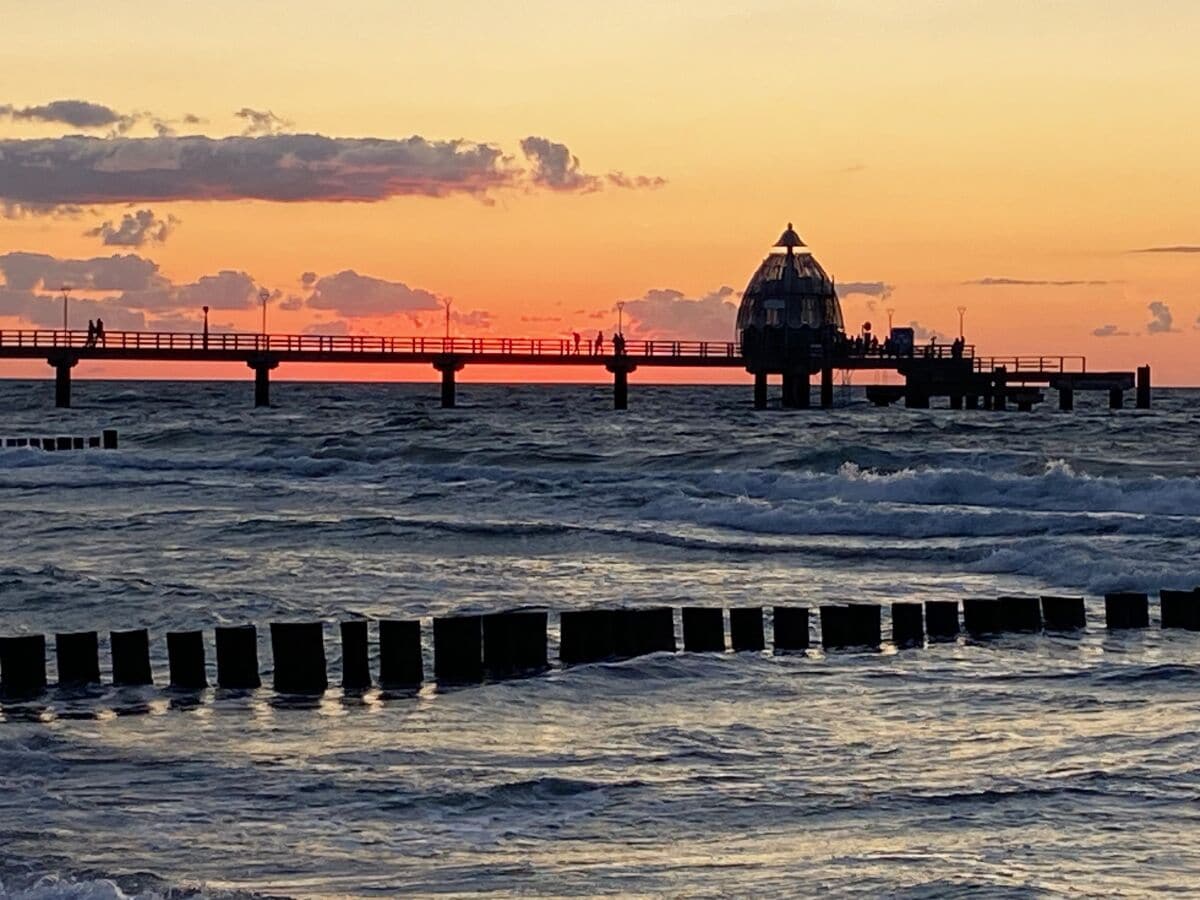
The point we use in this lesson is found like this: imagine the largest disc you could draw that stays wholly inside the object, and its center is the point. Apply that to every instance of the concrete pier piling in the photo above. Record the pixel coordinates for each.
(908, 625)
(982, 616)
(637, 632)
(1066, 398)
(1116, 398)
(237, 657)
(78, 656)
(185, 658)
(458, 649)
(1179, 609)
(1126, 610)
(62, 442)
(760, 390)
(514, 643)
(703, 629)
(797, 392)
(746, 629)
(356, 655)
(262, 365)
(941, 619)
(130, 657)
(790, 627)
(298, 655)
(1021, 614)
(585, 636)
(108, 438)
(1143, 387)
(62, 362)
(865, 627)
(855, 625)
(827, 387)
(22, 666)
(401, 663)
(1063, 613)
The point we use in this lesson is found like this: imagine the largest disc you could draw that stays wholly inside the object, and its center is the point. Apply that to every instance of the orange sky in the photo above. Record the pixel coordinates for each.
(918, 144)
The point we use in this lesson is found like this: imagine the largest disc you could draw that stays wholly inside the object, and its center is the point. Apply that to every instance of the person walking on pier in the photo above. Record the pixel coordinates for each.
(599, 343)
(98, 338)
(91, 334)
(618, 344)
(575, 337)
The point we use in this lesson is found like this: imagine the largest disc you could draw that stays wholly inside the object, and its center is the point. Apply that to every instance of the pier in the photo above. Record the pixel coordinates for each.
(967, 380)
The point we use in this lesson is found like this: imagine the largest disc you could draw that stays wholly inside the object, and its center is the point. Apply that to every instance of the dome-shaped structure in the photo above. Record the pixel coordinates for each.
(789, 304)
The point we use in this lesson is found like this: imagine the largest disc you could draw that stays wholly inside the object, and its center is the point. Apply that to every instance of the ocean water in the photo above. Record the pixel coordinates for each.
(1022, 766)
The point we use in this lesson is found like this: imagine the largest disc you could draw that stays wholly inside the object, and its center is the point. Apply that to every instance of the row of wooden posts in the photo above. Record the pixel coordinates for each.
(468, 649)
(106, 440)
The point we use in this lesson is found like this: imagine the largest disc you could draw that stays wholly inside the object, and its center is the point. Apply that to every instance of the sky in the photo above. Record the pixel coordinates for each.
(537, 162)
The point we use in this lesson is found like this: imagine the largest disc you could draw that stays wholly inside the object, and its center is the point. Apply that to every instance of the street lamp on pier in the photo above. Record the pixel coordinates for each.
(890, 311)
(205, 327)
(447, 302)
(264, 295)
(66, 289)
(961, 311)
(621, 317)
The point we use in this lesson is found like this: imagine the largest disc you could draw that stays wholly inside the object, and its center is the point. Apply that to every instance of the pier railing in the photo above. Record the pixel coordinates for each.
(1032, 363)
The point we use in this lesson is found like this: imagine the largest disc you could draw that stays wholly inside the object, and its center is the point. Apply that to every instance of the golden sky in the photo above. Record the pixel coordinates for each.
(1009, 157)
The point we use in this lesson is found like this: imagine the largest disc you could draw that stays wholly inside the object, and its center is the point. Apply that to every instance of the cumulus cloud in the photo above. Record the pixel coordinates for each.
(134, 230)
(308, 279)
(291, 303)
(352, 295)
(1109, 331)
(45, 310)
(336, 327)
(879, 289)
(31, 271)
(921, 333)
(1174, 248)
(75, 113)
(474, 318)
(557, 168)
(81, 170)
(1161, 320)
(262, 121)
(669, 313)
(1032, 282)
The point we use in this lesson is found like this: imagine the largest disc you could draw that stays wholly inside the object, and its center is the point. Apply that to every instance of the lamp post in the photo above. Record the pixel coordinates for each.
(891, 311)
(206, 328)
(447, 302)
(264, 295)
(621, 317)
(66, 289)
(961, 311)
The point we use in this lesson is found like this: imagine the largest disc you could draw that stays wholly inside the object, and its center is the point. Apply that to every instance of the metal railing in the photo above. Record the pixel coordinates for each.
(321, 343)
(1032, 363)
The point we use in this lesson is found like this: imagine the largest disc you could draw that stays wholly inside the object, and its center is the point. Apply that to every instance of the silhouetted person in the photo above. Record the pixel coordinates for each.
(619, 344)
(575, 335)
(99, 338)
(599, 342)
(91, 335)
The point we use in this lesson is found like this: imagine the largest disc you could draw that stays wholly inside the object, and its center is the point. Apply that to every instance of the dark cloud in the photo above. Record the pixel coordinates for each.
(669, 313)
(308, 279)
(1176, 248)
(291, 303)
(134, 230)
(542, 320)
(45, 310)
(557, 168)
(879, 289)
(1031, 282)
(31, 271)
(352, 295)
(76, 113)
(1161, 320)
(79, 170)
(260, 122)
(1109, 331)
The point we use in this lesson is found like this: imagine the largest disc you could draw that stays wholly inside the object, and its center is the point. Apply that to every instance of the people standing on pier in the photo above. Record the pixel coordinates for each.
(91, 334)
(575, 336)
(98, 337)
(618, 344)
(599, 343)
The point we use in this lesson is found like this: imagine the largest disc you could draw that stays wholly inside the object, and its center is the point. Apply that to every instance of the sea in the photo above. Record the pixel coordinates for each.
(1020, 766)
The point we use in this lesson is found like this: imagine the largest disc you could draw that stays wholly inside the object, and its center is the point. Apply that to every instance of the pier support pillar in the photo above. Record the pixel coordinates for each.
(760, 390)
(999, 388)
(448, 366)
(1116, 398)
(827, 387)
(916, 394)
(63, 364)
(262, 366)
(796, 390)
(956, 401)
(972, 401)
(1066, 398)
(620, 370)
(1143, 387)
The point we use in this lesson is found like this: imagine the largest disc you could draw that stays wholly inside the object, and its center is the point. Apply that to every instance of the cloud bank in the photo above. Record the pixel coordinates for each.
(134, 230)
(1032, 282)
(669, 313)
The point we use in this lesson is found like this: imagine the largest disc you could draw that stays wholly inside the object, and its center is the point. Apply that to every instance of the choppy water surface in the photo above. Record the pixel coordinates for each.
(1026, 766)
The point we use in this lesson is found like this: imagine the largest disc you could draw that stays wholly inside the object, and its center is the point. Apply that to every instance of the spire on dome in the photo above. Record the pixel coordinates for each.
(789, 239)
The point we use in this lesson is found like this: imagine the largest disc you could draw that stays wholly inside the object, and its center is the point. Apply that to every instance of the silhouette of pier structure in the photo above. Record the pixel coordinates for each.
(935, 371)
